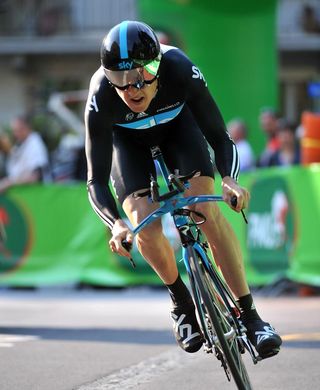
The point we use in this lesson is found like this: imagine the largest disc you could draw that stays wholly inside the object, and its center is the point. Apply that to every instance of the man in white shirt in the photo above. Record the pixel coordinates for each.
(238, 132)
(27, 160)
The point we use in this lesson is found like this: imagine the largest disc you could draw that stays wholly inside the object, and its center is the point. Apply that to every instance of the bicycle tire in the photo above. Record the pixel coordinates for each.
(218, 314)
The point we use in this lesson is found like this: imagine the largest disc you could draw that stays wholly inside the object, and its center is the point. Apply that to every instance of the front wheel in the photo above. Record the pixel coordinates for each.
(217, 322)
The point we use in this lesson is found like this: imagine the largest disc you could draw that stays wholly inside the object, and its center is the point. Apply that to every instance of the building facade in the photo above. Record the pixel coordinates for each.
(48, 46)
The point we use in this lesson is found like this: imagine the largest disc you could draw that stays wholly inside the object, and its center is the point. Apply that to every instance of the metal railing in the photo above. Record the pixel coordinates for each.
(298, 25)
(44, 18)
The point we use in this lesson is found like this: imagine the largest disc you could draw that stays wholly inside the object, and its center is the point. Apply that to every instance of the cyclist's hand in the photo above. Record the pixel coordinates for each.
(120, 232)
(231, 188)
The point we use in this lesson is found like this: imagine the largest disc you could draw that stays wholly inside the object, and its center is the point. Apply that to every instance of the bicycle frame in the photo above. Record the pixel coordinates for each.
(173, 204)
(177, 202)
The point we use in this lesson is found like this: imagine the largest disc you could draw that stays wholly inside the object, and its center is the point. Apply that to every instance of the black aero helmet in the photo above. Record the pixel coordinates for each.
(129, 48)
(130, 42)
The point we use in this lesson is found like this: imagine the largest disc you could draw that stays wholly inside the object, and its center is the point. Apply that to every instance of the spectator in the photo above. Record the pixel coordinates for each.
(238, 132)
(68, 160)
(27, 160)
(81, 168)
(289, 150)
(5, 146)
(269, 124)
(310, 20)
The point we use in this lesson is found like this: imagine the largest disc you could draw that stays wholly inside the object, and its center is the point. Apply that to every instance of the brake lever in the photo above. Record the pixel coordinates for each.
(233, 203)
(128, 246)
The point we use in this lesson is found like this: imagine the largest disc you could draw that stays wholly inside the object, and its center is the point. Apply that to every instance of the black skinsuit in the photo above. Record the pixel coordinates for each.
(181, 119)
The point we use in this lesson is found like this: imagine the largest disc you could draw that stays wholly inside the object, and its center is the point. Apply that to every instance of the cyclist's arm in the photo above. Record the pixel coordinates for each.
(226, 154)
(99, 158)
(212, 125)
(210, 120)
(207, 115)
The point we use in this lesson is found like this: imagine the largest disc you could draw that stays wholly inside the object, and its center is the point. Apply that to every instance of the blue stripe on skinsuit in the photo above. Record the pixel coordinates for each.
(154, 120)
(123, 40)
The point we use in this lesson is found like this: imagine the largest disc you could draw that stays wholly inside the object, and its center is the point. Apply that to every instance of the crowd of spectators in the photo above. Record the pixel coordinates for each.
(282, 143)
(24, 157)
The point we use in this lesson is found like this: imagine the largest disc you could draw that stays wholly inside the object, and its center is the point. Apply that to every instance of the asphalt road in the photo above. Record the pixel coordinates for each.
(96, 340)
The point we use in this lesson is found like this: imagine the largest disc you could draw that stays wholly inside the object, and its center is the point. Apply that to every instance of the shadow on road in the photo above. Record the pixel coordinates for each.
(302, 344)
(135, 336)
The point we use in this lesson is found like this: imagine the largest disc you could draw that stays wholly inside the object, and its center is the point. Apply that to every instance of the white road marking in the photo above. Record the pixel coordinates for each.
(143, 372)
(8, 341)
(301, 337)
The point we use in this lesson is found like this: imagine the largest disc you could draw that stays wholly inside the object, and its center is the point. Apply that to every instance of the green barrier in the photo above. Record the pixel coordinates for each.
(282, 235)
(54, 237)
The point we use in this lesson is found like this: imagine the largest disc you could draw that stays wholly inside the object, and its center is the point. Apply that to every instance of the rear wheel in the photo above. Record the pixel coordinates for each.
(218, 323)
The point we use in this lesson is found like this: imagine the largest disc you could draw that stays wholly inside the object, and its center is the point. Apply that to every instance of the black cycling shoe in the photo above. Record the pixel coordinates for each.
(264, 338)
(186, 328)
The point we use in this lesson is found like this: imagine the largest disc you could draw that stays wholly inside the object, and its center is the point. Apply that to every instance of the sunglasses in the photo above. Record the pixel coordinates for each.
(137, 77)
(139, 83)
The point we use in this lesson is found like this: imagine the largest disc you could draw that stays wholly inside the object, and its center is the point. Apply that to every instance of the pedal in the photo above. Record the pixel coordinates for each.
(207, 348)
(241, 346)
(271, 353)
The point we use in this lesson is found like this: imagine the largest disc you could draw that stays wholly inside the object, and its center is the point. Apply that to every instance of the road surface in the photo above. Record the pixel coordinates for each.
(64, 339)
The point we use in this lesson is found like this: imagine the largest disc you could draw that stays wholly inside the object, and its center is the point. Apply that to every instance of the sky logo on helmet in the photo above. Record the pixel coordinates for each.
(125, 65)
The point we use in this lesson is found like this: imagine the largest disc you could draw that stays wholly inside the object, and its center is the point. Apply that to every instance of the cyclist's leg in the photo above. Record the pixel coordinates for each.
(227, 252)
(221, 237)
(157, 251)
(132, 165)
(187, 151)
(151, 241)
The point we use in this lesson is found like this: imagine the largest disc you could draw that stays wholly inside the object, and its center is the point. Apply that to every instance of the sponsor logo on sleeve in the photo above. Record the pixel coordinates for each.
(93, 104)
(197, 74)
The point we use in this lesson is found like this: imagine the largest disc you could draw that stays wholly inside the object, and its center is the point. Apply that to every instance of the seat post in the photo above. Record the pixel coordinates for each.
(160, 163)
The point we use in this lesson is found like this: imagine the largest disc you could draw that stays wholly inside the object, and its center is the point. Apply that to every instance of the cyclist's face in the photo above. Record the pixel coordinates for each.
(138, 100)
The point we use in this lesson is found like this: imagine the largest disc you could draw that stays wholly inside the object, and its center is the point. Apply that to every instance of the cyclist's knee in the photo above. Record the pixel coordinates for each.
(210, 210)
(150, 234)
(137, 210)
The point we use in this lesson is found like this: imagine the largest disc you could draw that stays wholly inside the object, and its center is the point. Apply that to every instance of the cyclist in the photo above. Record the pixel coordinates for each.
(147, 94)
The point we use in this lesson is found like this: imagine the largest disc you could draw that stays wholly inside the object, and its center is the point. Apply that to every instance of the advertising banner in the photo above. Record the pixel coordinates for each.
(53, 237)
(281, 238)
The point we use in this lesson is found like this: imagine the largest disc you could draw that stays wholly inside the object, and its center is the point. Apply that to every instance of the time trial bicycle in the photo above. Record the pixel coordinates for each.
(217, 310)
